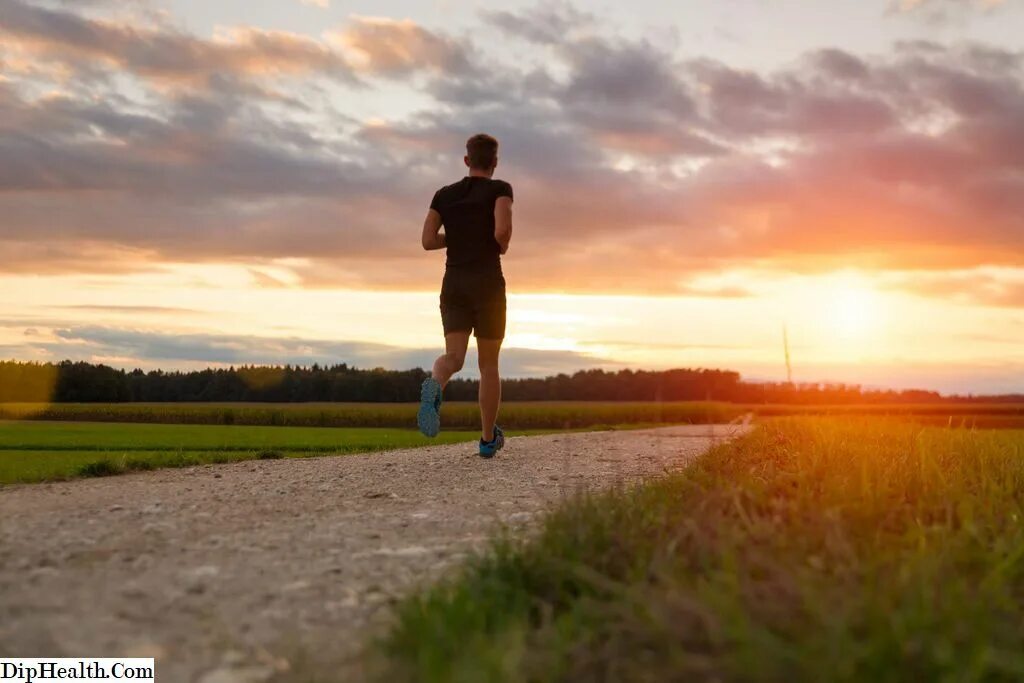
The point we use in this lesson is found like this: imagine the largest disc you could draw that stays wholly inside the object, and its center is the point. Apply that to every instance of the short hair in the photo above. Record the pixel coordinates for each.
(482, 150)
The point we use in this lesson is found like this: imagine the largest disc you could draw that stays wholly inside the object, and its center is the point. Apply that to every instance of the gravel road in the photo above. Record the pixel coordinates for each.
(265, 570)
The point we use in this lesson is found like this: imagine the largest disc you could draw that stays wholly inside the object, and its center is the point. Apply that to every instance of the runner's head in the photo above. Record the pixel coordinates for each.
(482, 153)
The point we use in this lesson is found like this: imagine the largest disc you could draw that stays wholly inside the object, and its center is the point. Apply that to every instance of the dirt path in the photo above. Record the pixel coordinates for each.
(231, 573)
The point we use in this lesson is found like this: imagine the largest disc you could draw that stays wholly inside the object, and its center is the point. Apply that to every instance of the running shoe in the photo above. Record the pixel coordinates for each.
(489, 448)
(429, 417)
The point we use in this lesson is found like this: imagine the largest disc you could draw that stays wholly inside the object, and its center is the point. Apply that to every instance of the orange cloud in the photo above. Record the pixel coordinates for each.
(163, 54)
(984, 287)
(382, 46)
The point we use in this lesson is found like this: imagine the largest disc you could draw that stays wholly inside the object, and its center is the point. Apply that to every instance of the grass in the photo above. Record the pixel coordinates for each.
(48, 442)
(36, 451)
(814, 549)
(49, 451)
(99, 436)
(29, 467)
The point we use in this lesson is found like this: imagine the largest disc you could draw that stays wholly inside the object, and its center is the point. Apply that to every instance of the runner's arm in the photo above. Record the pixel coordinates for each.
(433, 238)
(503, 222)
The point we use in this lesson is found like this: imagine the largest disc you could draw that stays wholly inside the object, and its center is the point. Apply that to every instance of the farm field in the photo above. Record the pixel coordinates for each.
(514, 415)
(971, 415)
(456, 415)
(812, 549)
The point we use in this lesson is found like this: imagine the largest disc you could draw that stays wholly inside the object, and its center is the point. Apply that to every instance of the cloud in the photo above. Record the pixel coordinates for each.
(155, 348)
(164, 54)
(748, 104)
(162, 310)
(917, 5)
(907, 6)
(977, 287)
(633, 168)
(545, 24)
(942, 11)
(386, 47)
(630, 98)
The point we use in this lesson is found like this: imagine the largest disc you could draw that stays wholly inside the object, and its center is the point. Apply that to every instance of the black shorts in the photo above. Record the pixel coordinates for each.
(473, 300)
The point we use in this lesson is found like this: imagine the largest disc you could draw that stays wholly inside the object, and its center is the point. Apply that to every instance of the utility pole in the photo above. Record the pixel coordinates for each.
(785, 348)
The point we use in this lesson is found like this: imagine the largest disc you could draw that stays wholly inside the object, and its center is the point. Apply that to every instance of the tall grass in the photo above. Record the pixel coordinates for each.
(812, 550)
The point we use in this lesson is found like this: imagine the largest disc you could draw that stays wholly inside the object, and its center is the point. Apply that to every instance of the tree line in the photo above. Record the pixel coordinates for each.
(69, 381)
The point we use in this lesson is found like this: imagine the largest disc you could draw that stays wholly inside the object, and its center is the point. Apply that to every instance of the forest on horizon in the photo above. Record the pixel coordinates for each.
(71, 381)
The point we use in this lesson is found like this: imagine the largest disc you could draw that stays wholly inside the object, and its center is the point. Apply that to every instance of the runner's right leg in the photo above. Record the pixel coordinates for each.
(490, 385)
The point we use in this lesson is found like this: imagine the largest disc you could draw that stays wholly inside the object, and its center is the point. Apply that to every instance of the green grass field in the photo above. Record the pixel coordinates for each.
(814, 549)
(35, 451)
(46, 451)
(47, 442)
(99, 436)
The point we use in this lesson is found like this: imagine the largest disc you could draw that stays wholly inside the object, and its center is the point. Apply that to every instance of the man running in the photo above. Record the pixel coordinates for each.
(476, 214)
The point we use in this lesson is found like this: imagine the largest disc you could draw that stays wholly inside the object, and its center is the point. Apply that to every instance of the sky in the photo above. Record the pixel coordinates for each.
(187, 184)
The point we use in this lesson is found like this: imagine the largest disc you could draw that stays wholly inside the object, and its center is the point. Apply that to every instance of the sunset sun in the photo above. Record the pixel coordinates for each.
(854, 311)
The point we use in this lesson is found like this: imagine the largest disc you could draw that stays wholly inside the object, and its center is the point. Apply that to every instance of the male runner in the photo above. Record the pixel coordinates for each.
(476, 213)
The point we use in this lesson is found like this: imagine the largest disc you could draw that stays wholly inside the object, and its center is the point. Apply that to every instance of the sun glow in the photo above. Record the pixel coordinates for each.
(854, 311)
(841, 317)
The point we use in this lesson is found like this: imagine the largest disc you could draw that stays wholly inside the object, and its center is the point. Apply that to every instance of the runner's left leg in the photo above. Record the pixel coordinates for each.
(451, 361)
(428, 418)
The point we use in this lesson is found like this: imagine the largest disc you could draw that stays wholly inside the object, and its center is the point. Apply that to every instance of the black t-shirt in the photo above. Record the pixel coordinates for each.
(467, 213)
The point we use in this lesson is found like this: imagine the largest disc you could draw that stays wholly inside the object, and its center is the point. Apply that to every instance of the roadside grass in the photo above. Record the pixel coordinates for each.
(813, 549)
(114, 436)
(32, 452)
(28, 467)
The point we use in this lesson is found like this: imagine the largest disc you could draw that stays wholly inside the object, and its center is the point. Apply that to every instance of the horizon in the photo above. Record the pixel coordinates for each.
(471, 375)
(194, 184)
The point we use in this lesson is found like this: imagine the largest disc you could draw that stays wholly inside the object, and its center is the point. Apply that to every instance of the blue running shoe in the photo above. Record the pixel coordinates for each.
(429, 417)
(489, 448)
